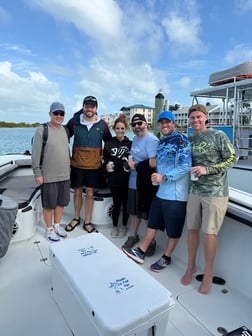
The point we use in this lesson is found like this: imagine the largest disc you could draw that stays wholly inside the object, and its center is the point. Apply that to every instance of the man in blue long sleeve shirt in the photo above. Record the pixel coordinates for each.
(168, 208)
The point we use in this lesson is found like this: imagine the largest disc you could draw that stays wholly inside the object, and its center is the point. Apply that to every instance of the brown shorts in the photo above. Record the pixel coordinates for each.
(205, 212)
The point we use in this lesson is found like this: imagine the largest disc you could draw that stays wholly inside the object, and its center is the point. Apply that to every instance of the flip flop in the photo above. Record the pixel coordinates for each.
(70, 226)
(92, 228)
(216, 280)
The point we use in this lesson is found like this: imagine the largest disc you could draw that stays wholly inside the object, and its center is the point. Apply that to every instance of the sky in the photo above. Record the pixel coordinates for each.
(121, 51)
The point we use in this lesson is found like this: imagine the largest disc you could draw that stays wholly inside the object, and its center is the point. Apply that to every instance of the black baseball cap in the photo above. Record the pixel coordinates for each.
(91, 100)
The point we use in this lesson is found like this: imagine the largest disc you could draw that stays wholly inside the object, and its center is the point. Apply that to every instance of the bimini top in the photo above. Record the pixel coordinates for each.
(237, 73)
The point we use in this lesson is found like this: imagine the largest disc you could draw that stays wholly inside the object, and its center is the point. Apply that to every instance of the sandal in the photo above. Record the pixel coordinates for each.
(92, 228)
(216, 280)
(70, 226)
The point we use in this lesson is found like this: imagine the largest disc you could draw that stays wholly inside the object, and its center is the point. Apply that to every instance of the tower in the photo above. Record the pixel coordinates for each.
(159, 107)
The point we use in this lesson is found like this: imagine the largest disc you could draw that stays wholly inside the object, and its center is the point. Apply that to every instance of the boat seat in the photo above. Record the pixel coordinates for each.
(20, 189)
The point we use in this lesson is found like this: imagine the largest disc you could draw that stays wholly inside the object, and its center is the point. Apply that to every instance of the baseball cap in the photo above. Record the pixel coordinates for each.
(138, 117)
(197, 107)
(56, 106)
(166, 115)
(91, 100)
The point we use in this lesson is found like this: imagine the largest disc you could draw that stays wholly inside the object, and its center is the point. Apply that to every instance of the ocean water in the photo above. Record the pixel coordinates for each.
(18, 140)
(15, 140)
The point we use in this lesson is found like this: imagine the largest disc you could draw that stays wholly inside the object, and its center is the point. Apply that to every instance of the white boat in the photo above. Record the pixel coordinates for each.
(28, 304)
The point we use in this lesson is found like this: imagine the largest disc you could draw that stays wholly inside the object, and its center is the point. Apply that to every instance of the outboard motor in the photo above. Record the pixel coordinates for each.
(8, 213)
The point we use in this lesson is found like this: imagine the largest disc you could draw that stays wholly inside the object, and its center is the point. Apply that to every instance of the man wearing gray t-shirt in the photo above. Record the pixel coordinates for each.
(51, 168)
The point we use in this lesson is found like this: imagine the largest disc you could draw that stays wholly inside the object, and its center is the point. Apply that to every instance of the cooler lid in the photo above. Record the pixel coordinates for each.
(115, 291)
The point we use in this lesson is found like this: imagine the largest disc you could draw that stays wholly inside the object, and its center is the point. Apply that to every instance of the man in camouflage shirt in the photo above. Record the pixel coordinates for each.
(212, 155)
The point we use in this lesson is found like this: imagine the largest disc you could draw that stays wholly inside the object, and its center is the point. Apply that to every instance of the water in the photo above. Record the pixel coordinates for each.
(15, 140)
(18, 140)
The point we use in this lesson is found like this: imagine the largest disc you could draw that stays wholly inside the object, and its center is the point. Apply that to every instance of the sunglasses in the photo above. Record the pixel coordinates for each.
(58, 113)
(138, 123)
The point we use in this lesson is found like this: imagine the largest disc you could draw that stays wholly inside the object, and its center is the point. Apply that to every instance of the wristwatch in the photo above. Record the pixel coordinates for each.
(165, 178)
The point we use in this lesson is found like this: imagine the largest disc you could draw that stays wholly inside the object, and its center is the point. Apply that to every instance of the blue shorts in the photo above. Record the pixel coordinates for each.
(167, 215)
(55, 194)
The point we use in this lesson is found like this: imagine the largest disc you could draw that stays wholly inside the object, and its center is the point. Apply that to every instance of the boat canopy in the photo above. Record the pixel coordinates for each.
(235, 112)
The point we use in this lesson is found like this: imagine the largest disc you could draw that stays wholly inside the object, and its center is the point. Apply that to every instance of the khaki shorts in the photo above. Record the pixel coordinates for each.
(205, 212)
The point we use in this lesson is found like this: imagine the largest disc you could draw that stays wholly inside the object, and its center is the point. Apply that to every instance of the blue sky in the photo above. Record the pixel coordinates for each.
(123, 52)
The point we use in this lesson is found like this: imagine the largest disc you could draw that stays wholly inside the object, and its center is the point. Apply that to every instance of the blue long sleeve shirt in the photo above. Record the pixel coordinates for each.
(174, 160)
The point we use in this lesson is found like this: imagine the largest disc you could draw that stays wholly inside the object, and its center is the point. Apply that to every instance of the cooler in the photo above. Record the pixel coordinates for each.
(102, 208)
(101, 292)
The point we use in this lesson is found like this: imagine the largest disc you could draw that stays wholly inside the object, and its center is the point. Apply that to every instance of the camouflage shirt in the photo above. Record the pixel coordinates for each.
(213, 150)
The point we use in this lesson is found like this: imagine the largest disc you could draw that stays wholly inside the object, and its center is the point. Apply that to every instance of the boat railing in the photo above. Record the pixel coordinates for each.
(234, 111)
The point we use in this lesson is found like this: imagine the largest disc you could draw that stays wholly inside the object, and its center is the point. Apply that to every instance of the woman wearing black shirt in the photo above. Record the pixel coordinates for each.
(115, 156)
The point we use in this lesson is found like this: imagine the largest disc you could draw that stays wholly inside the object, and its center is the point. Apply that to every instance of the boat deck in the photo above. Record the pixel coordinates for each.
(27, 306)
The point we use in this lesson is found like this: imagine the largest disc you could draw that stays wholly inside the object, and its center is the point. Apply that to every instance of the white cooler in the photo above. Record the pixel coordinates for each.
(100, 291)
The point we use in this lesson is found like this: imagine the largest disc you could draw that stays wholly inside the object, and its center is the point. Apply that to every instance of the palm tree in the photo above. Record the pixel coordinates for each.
(174, 107)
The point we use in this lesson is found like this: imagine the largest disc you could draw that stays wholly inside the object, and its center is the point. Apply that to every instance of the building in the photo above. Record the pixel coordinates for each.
(147, 111)
(110, 118)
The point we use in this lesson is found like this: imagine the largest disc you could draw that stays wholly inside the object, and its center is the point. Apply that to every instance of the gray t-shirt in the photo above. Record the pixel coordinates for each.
(56, 161)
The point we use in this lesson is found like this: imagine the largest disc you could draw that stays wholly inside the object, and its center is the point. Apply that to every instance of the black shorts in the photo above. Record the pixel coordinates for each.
(91, 178)
(55, 194)
(132, 206)
(167, 215)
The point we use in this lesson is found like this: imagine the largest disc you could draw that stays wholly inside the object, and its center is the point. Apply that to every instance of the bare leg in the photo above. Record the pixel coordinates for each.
(77, 202)
(48, 217)
(192, 246)
(89, 203)
(58, 214)
(135, 222)
(210, 243)
(172, 243)
(148, 238)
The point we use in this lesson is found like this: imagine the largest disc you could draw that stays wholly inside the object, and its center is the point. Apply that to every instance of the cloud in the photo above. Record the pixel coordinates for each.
(182, 26)
(100, 24)
(183, 34)
(242, 6)
(120, 43)
(30, 98)
(5, 17)
(129, 85)
(239, 54)
(184, 82)
(8, 47)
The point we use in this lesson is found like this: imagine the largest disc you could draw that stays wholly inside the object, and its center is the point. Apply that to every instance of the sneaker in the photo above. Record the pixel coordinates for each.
(131, 241)
(134, 254)
(52, 236)
(159, 265)
(114, 232)
(122, 232)
(151, 249)
(59, 231)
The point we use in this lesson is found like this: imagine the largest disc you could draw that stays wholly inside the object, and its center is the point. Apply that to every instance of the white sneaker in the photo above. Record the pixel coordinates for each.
(52, 236)
(122, 232)
(114, 232)
(59, 231)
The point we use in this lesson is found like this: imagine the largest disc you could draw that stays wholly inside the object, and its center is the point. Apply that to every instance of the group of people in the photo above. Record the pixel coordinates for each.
(149, 180)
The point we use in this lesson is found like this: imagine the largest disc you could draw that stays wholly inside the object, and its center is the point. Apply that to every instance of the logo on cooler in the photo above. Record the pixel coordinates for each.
(120, 285)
